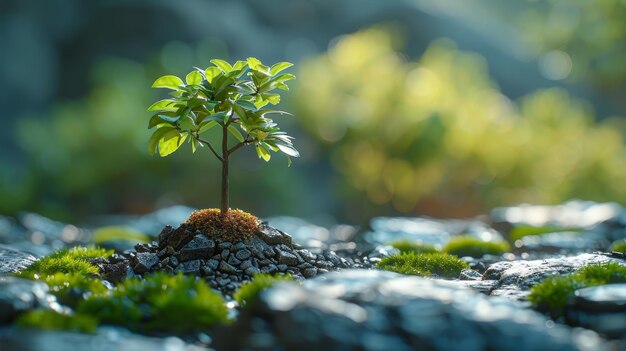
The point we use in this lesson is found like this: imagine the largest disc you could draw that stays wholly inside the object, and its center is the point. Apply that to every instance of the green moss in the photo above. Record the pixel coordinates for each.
(409, 246)
(425, 264)
(51, 320)
(619, 246)
(466, 245)
(551, 295)
(69, 289)
(521, 231)
(250, 290)
(161, 302)
(70, 261)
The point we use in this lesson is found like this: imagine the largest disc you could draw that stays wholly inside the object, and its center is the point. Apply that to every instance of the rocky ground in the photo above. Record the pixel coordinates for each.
(340, 301)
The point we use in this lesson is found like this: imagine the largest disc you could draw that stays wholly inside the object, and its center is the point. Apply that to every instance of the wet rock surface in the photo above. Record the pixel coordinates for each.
(373, 310)
(107, 338)
(225, 265)
(601, 308)
(12, 260)
(21, 295)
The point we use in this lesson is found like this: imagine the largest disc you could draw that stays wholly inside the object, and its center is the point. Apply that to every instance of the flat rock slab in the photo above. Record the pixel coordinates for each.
(105, 339)
(524, 274)
(12, 261)
(376, 310)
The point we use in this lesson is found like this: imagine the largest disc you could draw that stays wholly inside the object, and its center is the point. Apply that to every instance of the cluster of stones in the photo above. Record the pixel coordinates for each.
(225, 265)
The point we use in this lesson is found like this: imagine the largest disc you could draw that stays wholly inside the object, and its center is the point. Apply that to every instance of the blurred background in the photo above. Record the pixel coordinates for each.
(442, 108)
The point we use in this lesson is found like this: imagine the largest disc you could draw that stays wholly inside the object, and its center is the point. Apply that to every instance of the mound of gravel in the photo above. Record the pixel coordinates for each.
(225, 265)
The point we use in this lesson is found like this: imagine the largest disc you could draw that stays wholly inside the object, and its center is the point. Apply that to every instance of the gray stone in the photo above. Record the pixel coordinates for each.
(199, 247)
(145, 261)
(212, 264)
(377, 310)
(239, 246)
(190, 267)
(282, 267)
(309, 272)
(287, 258)
(246, 264)
(227, 268)
(20, 295)
(252, 271)
(470, 274)
(232, 260)
(225, 253)
(12, 261)
(224, 245)
(269, 269)
(273, 236)
(243, 254)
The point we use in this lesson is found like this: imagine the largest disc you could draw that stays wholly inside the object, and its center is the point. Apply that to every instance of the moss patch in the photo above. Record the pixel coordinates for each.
(159, 303)
(552, 294)
(71, 261)
(424, 264)
(466, 245)
(52, 320)
(619, 246)
(409, 246)
(521, 231)
(235, 225)
(250, 290)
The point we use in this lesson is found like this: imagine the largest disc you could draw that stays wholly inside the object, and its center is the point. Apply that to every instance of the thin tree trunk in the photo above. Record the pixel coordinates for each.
(224, 204)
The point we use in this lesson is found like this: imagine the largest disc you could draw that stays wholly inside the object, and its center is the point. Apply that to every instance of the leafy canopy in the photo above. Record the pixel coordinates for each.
(236, 97)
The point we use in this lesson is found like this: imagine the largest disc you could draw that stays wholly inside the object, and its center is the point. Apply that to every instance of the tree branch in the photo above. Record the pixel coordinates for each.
(238, 146)
(210, 147)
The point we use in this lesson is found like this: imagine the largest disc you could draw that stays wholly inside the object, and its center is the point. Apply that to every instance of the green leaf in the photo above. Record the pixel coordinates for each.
(211, 73)
(254, 63)
(246, 105)
(159, 118)
(263, 153)
(171, 142)
(274, 99)
(280, 67)
(169, 82)
(187, 122)
(193, 146)
(194, 77)
(240, 112)
(156, 137)
(246, 88)
(288, 150)
(284, 77)
(163, 105)
(236, 133)
(240, 65)
(223, 65)
(204, 126)
(217, 117)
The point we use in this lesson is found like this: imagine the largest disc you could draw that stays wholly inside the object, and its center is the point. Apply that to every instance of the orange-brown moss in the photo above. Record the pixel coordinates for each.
(235, 225)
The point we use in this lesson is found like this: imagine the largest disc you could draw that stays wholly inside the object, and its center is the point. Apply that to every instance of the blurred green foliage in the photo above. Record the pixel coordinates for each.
(410, 246)
(588, 33)
(53, 320)
(437, 135)
(467, 245)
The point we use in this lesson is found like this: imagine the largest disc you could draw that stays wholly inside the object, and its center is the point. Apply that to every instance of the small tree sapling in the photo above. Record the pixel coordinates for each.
(231, 97)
